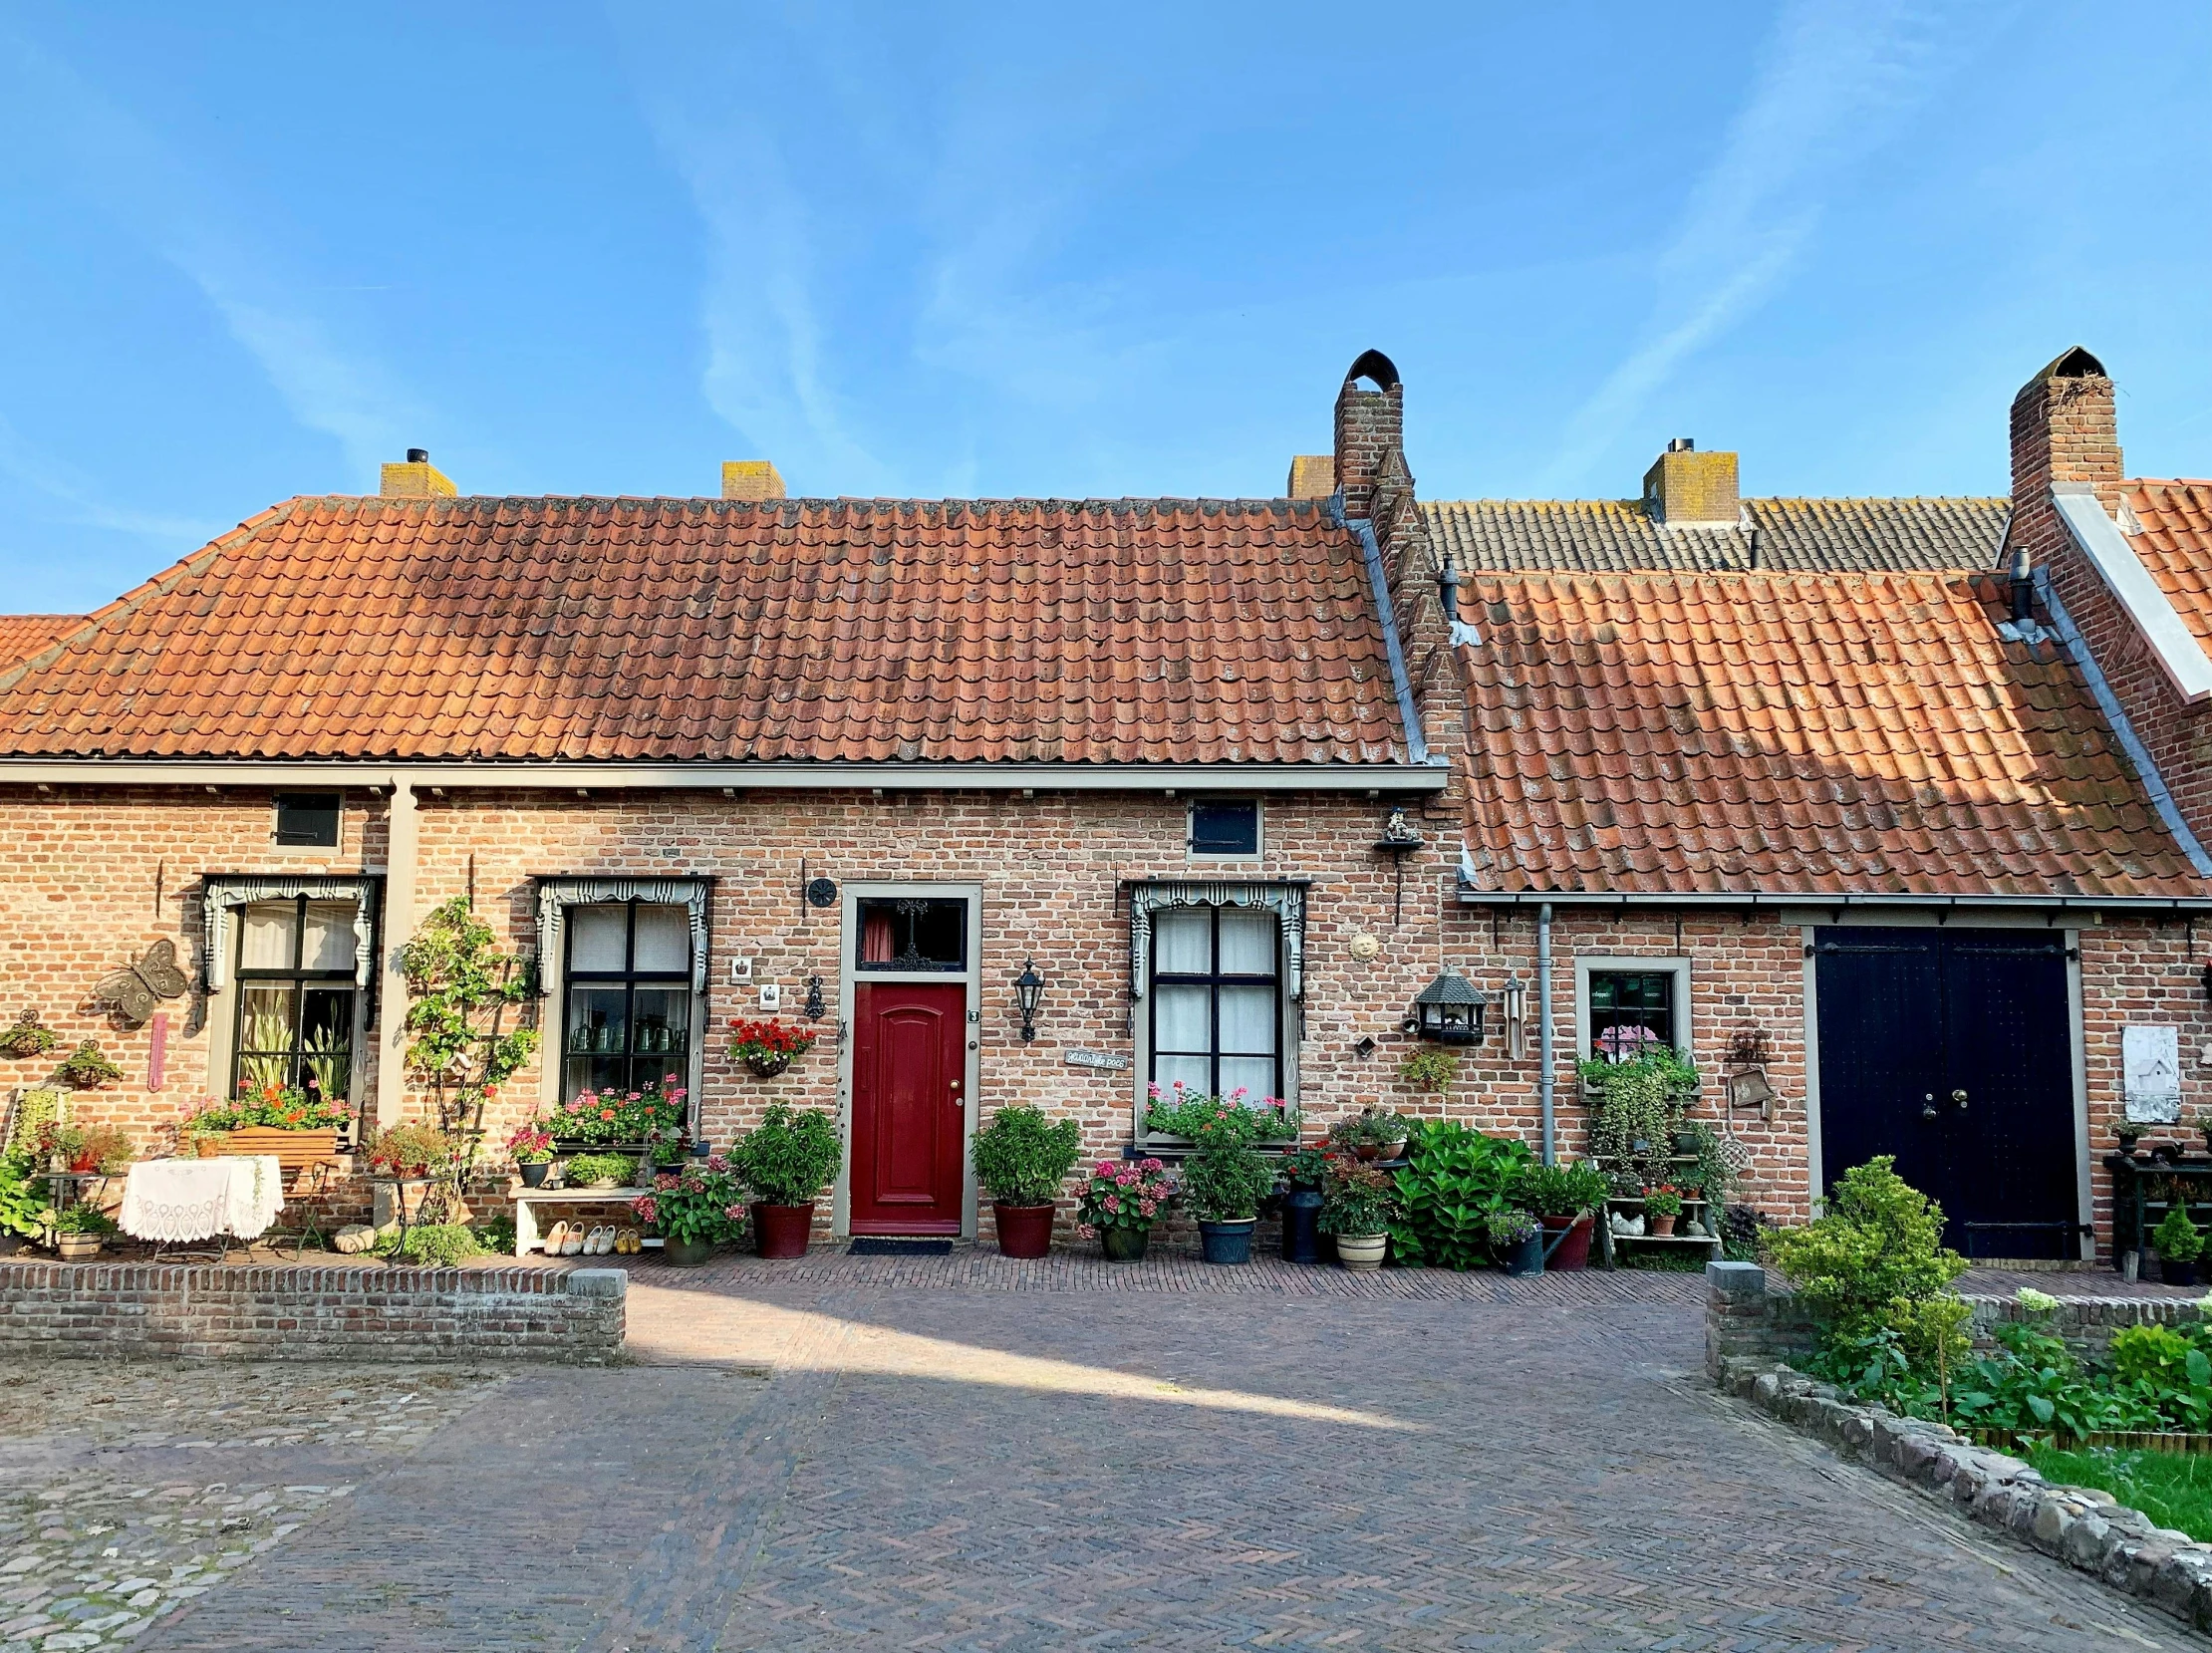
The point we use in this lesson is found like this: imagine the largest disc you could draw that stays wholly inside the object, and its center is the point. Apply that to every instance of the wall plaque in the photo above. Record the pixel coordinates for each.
(2151, 1074)
(1106, 1061)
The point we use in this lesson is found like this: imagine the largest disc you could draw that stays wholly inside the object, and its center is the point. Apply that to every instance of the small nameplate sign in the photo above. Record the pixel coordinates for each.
(1107, 1061)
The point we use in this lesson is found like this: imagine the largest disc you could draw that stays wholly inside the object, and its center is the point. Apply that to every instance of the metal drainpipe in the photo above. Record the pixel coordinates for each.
(1544, 1025)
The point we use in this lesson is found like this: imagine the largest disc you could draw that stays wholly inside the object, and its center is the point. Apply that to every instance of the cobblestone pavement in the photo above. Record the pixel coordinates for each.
(902, 1453)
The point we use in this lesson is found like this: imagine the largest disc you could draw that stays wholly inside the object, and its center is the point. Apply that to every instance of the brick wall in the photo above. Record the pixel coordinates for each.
(174, 1312)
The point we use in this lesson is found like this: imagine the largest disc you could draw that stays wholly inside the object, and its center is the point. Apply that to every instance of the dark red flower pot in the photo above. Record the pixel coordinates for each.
(781, 1230)
(1574, 1250)
(1024, 1230)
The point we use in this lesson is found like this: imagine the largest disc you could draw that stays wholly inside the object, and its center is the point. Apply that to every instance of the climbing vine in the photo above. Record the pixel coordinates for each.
(1635, 1109)
(462, 989)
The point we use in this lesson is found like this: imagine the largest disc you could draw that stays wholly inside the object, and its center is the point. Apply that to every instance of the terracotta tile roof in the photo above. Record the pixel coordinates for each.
(1597, 536)
(1672, 733)
(26, 633)
(2172, 534)
(1126, 632)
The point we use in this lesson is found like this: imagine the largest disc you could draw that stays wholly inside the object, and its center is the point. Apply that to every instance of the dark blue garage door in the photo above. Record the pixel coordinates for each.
(1951, 1049)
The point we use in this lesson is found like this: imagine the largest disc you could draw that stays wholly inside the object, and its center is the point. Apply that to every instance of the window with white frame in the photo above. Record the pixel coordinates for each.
(1216, 1000)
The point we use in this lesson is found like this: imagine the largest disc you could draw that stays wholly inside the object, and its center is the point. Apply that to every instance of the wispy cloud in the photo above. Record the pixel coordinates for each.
(54, 114)
(79, 499)
(1835, 82)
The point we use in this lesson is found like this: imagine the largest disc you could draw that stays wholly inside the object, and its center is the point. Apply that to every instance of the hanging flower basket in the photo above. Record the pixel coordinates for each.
(767, 1048)
(26, 1039)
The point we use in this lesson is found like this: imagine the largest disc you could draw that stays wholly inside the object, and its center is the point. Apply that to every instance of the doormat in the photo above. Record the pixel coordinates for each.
(872, 1247)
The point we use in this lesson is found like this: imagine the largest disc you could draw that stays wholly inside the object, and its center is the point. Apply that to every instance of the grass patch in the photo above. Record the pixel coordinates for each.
(2174, 1489)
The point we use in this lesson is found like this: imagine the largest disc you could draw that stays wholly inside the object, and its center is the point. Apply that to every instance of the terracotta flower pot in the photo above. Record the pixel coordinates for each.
(1661, 1226)
(1024, 1230)
(781, 1230)
(1574, 1250)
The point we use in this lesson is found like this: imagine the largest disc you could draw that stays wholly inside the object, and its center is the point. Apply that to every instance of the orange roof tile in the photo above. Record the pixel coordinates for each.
(26, 633)
(1729, 734)
(2172, 535)
(1123, 631)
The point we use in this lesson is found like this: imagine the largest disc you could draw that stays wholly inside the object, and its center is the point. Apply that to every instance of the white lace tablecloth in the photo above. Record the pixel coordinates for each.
(235, 1193)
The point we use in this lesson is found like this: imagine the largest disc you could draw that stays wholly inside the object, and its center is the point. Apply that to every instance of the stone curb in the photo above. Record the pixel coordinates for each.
(2090, 1530)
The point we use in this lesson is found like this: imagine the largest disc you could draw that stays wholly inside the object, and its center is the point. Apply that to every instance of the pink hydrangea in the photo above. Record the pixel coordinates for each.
(1112, 1202)
(645, 1209)
(1083, 1231)
(1146, 1208)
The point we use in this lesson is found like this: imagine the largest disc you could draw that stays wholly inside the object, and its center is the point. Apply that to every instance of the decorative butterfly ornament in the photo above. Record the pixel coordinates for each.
(144, 983)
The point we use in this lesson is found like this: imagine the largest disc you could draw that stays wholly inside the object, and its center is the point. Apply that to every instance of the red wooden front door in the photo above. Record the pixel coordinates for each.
(910, 1107)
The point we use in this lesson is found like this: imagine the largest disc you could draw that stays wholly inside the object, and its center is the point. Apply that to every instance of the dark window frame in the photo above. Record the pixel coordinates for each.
(296, 801)
(299, 979)
(1207, 852)
(629, 979)
(910, 959)
(1215, 980)
(1616, 1015)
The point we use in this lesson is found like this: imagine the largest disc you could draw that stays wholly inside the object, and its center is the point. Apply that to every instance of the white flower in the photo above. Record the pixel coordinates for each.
(2035, 1302)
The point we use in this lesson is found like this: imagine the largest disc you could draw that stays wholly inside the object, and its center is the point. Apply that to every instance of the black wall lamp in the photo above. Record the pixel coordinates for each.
(1028, 993)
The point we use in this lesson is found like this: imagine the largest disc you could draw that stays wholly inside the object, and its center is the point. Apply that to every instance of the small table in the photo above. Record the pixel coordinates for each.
(231, 1196)
(526, 1237)
(2131, 1193)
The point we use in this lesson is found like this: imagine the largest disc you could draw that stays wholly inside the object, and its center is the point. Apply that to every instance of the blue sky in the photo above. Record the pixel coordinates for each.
(250, 251)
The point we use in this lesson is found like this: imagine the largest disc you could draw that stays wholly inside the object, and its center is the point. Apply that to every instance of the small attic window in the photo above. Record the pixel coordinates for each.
(1224, 826)
(307, 820)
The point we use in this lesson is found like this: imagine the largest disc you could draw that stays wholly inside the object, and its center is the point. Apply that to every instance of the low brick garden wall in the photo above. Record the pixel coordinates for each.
(311, 1313)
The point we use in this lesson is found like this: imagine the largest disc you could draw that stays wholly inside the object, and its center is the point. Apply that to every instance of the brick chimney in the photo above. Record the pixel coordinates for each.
(1688, 489)
(2065, 430)
(754, 479)
(1370, 426)
(416, 477)
(1312, 476)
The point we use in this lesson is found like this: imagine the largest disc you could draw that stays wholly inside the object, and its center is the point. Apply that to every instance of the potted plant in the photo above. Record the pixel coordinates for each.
(1662, 1206)
(1179, 1111)
(1375, 1134)
(79, 1229)
(299, 1124)
(26, 1039)
(1023, 1158)
(61, 1146)
(1562, 1198)
(409, 1152)
(1223, 1184)
(1430, 1071)
(2129, 1133)
(87, 1068)
(1358, 1204)
(785, 1161)
(531, 1145)
(767, 1048)
(652, 1112)
(2180, 1243)
(697, 1208)
(107, 1150)
(1303, 1170)
(1120, 1202)
(1516, 1241)
(598, 1170)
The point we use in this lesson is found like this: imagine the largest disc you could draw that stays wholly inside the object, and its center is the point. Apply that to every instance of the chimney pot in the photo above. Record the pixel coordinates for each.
(1682, 444)
(418, 455)
(754, 479)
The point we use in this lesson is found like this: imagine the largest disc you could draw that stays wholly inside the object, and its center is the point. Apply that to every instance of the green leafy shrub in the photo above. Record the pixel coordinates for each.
(1636, 1106)
(1022, 1158)
(1560, 1190)
(1879, 1243)
(583, 1170)
(787, 1158)
(1453, 1181)
(411, 1150)
(1224, 1182)
(88, 1066)
(435, 1245)
(35, 1109)
(82, 1220)
(2177, 1237)
(22, 1200)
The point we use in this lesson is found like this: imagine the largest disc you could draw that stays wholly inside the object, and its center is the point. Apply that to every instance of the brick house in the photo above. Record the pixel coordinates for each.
(1792, 769)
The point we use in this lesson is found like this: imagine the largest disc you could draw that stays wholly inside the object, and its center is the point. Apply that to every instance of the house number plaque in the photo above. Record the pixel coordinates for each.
(1106, 1061)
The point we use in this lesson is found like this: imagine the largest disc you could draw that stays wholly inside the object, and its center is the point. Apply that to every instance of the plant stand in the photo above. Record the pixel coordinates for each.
(527, 1238)
(1633, 1207)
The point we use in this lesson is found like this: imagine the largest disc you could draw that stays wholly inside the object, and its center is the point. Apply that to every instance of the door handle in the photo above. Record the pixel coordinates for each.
(956, 1087)
(1959, 1096)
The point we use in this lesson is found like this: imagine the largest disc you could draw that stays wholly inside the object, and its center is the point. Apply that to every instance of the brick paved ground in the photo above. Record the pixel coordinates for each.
(967, 1454)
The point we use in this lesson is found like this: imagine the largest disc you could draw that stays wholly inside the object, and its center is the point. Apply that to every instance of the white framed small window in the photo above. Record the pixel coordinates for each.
(1628, 1007)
